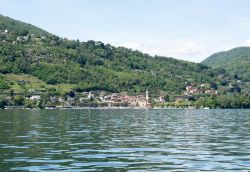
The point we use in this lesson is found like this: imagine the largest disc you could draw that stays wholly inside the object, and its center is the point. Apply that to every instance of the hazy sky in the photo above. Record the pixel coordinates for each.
(184, 29)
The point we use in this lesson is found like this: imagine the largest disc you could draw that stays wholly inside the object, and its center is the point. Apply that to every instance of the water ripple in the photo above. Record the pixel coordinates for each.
(125, 140)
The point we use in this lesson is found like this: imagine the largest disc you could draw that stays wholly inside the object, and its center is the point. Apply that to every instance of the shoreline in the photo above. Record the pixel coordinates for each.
(107, 108)
(117, 108)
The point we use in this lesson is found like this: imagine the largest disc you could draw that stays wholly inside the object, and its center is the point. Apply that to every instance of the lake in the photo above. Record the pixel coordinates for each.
(124, 140)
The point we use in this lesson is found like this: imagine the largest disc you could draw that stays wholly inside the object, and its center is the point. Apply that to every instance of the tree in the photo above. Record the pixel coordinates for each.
(213, 85)
(167, 98)
(81, 60)
(52, 81)
(224, 82)
(71, 94)
(236, 89)
(236, 76)
(11, 94)
(2, 104)
(18, 100)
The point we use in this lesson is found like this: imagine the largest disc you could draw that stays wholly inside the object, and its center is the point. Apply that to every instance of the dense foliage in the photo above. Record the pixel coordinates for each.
(233, 101)
(92, 65)
(4, 84)
(235, 61)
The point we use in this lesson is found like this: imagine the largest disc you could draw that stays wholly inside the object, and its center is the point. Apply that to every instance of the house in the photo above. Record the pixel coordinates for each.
(70, 100)
(137, 101)
(189, 88)
(32, 35)
(116, 98)
(25, 38)
(53, 99)
(180, 98)
(192, 90)
(22, 38)
(132, 103)
(19, 39)
(160, 99)
(35, 97)
(90, 95)
(83, 99)
(8, 98)
(85, 94)
(102, 94)
(61, 99)
(21, 82)
(101, 98)
(211, 92)
(142, 103)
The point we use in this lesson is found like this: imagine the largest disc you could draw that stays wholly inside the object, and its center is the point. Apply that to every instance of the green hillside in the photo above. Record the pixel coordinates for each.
(92, 65)
(235, 61)
(20, 28)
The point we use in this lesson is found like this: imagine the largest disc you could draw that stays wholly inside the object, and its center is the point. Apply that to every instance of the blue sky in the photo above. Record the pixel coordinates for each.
(184, 29)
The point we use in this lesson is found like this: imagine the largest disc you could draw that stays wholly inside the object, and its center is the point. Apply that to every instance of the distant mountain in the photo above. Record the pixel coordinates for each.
(235, 61)
(92, 65)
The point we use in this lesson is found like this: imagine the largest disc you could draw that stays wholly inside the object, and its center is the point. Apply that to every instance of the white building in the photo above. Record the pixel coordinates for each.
(35, 97)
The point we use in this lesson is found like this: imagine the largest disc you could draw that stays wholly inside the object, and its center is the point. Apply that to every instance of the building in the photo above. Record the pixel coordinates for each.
(53, 99)
(61, 99)
(35, 97)
(91, 96)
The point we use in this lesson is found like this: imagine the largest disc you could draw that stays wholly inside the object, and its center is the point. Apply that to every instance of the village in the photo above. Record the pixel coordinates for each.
(85, 99)
(103, 99)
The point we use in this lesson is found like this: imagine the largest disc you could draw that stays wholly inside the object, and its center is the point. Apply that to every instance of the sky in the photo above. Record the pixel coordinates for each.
(184, 29)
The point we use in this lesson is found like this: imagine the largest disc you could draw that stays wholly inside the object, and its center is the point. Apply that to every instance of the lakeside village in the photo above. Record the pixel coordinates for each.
(102, 99)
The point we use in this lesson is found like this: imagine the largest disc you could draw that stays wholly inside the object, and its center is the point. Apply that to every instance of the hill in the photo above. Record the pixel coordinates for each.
(235, 61)
(20, 28)
(89, 66)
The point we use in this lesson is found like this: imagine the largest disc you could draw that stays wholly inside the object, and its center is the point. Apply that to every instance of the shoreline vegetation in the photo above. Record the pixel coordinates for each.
(115, 108)
(102, 108)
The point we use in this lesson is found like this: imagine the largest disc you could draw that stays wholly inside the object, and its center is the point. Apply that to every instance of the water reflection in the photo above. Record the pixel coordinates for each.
(131, 140)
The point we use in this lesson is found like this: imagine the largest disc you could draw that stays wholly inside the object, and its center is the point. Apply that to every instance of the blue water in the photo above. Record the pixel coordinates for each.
(124, 140)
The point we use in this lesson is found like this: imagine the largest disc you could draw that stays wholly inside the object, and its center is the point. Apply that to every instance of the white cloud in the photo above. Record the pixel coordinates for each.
(190, 50)
(246, 42)
(186, 50)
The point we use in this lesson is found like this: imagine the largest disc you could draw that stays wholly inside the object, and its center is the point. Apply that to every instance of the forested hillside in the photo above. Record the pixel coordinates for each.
(235, 61)
(91, 65)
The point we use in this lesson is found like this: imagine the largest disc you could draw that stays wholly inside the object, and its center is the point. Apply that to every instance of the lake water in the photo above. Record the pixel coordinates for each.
(125, 140)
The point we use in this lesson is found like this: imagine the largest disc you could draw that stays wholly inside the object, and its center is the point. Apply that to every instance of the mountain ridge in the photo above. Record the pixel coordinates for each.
(236, 61)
